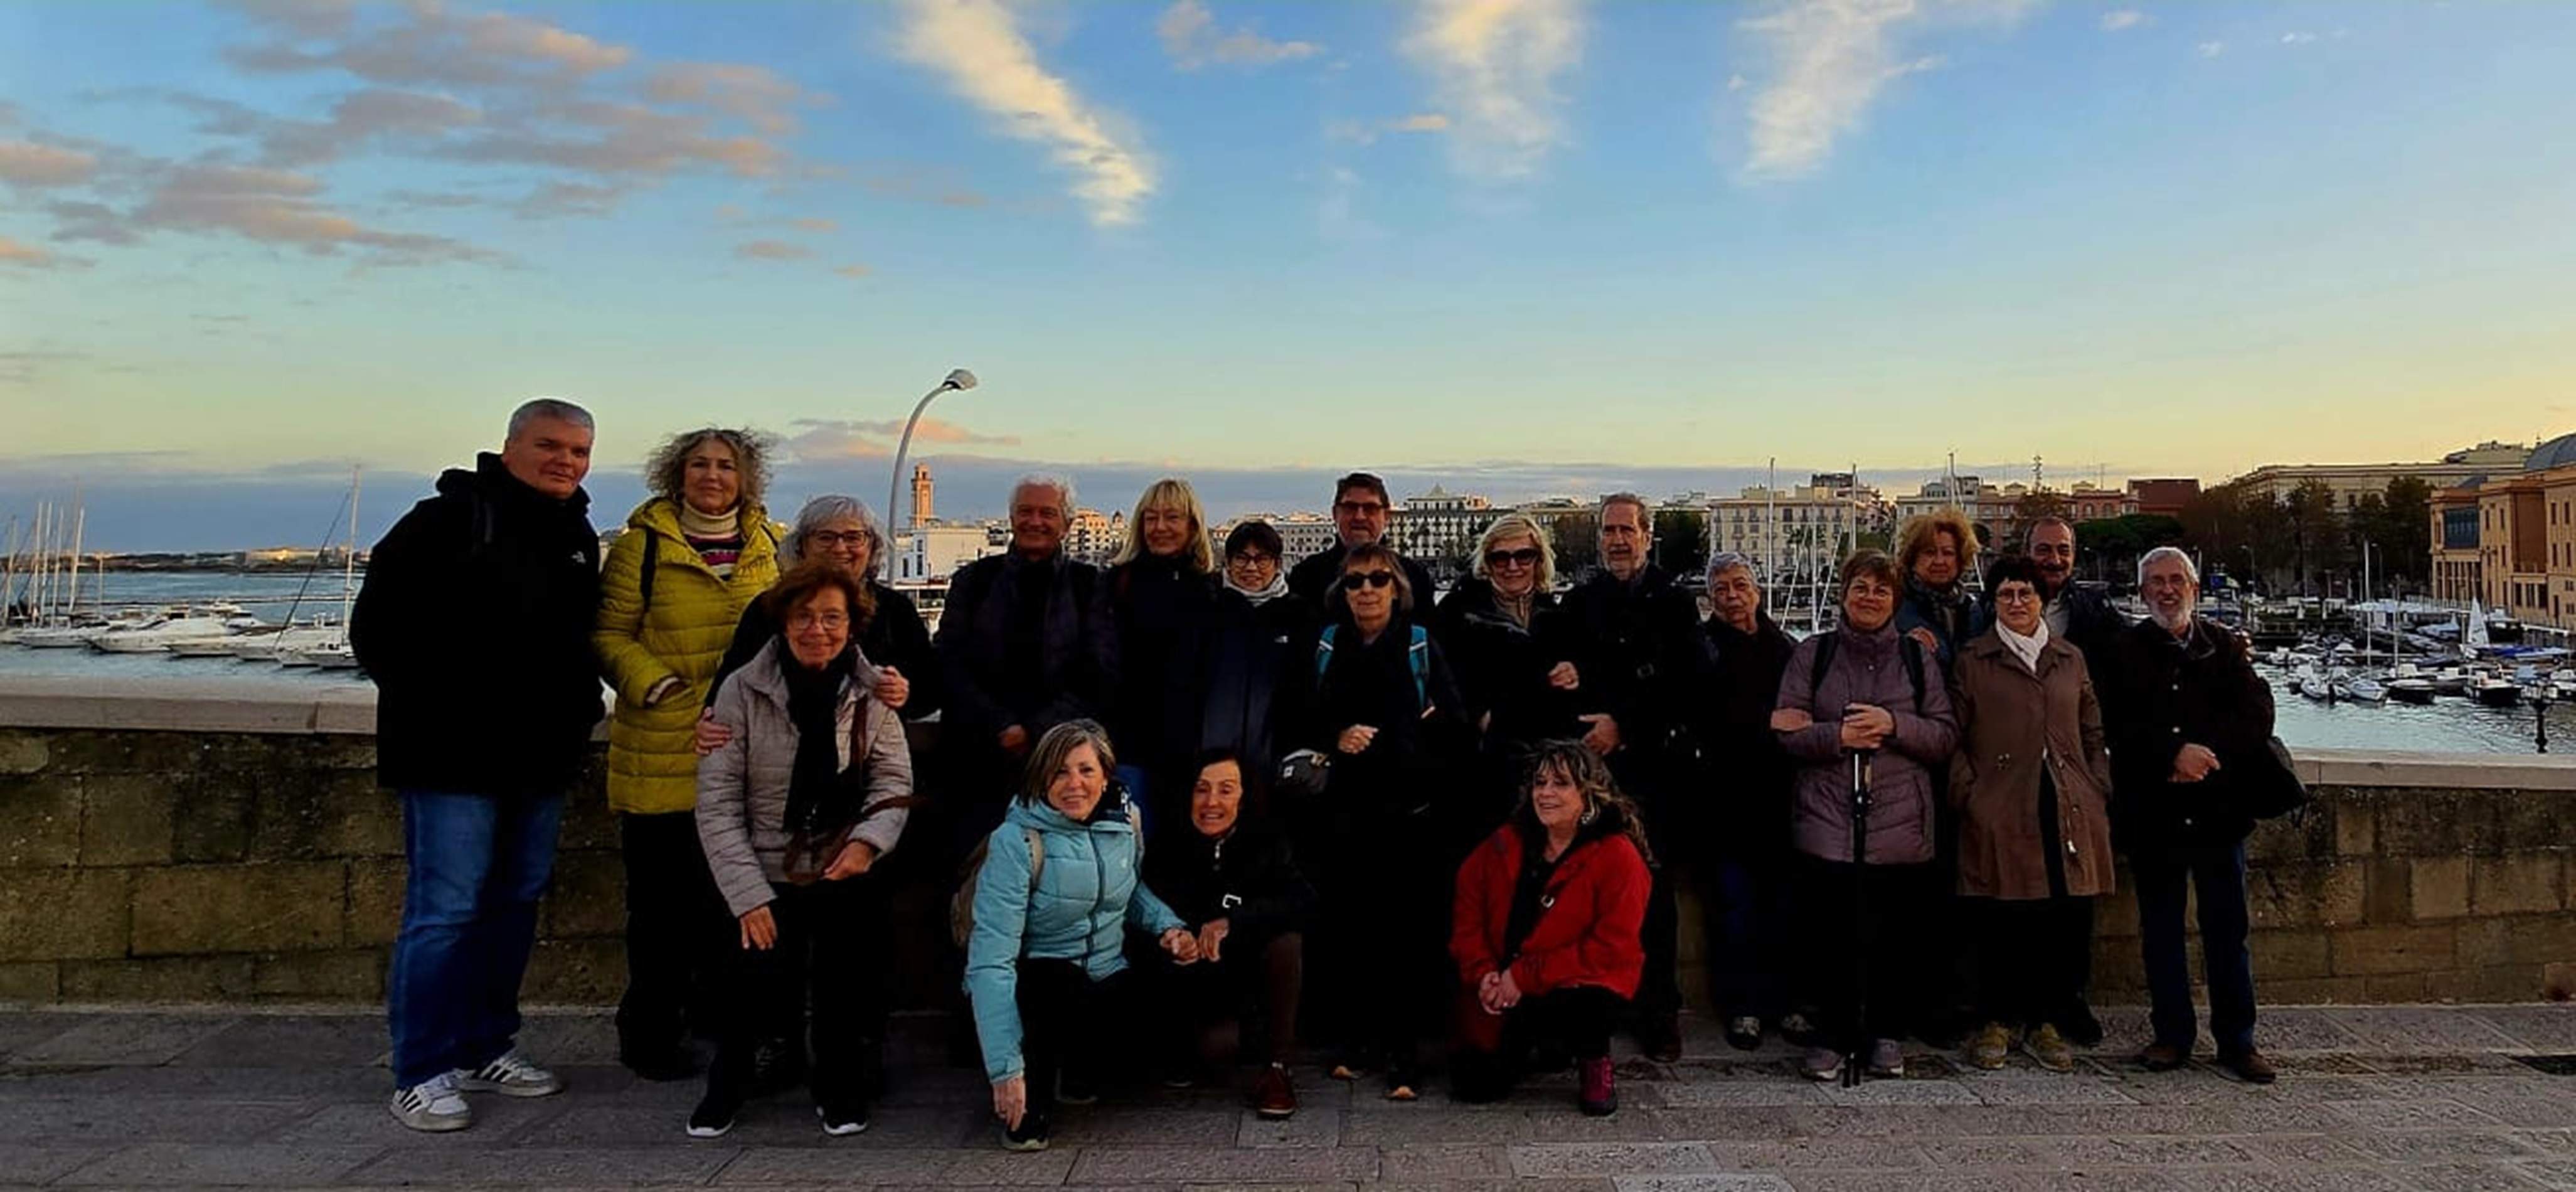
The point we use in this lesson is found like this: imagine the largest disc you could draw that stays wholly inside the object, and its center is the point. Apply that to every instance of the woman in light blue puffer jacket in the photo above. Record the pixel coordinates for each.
(1053, 899)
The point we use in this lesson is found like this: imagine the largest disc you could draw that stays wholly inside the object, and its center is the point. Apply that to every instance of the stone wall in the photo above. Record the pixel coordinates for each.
(188, 848)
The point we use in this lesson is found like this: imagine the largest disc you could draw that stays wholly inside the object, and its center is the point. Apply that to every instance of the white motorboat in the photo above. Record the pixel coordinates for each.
(328, 656)
(160, 636)
(60, 637)
(270, 647)
(212, 647)
(2361, 689)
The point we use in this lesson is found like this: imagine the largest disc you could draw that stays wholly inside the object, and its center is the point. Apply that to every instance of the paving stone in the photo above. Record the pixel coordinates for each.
(31, 1165)
(2396, 1115)
(2553, 1142)
(1902, 1092)
(1981, 1181)
(2472, 1177)
(19, 1032)
(2320, 1179)
(167, 1164)
(1608, 1158)
(1310, 1128)
(1131, 1165)
(548, 1167)
(1852, 1154)
(118, 1120)
(985, 1166)
(498, 1122)
(1443, 1162)
(1775, 1091)
(2541, 1028)
(126, 1039)
(218, 1085)
(2301, 1150)
(281, 1042)
(1735, 1182)
(2401, 1029)
(2554, 1174)
(2435, 1146)
(1567, 1125)
(1397, 1127)
(2045, 1088)
(1566, 1184)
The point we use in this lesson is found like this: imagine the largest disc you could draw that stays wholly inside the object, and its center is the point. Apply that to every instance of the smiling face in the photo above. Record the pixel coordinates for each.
(2171, 592)
(1076, 786)
(549, 455)
(1512, 564)
(1360, 514)
(2017, 605)
(1556, 799)
(1868, 602)
(818, 628)
(1216, 799)
(1037, 520)
(2052, 546)
(1252, 568)
(712, 481)
(1166, 529)
(844, 542)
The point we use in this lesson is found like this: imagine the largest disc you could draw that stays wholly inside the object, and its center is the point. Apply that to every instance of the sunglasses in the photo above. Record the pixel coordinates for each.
(1525, 556)
(1367, 579)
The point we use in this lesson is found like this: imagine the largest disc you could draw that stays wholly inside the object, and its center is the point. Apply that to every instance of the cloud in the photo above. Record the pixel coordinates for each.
(1830, 59)
(438, 45)
(2297, 38)
(301, 18)
(555, 200)
(843, 438)
(2212, 49)
(2124, 18)
(25, 163)
(1366, 133)
(755, 95)
(1191, 39)
(434, 198)
(851, 270)
(279, 207)
(620, 138)
(21, 255)
(813, 224)
(1494, 65)
(978, 45)
(771, 250)
(95, 222)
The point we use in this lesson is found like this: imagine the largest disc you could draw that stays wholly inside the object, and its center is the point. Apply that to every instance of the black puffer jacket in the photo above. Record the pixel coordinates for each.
(1252, 650)
(474, 622)
(1163, 609)
(1502, 666)
(1248, 877)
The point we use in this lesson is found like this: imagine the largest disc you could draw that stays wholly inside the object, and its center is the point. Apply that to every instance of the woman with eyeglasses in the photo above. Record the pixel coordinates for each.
(1491, 627)
(1382, 707)
(2032, 784)
(1256, 640)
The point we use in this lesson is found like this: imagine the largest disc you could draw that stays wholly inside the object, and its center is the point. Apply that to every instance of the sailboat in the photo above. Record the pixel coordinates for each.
(334, 653)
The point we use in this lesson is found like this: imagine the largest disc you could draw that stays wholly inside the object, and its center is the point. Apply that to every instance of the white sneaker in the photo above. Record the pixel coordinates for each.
(433, 1106)
(512, 1075)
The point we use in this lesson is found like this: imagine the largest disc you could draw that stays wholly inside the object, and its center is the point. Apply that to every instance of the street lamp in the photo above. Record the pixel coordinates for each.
(956, 379)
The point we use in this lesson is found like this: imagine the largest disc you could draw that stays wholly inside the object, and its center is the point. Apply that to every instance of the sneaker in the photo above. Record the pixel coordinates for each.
(1030, 1136)
(843, 1117)
(1887, 1059)
(1822, 1064)
(1071, 1089)
(2049, 1047)
(1273, 1095)
(434, 1106)
(2163, 1057)
(1799, 1029)
(2249, 1066)
(512, 1075)
(1600, 1097)
(1991, 1047)
(713, 1118)
(1659, 1037)
(1744, 1033)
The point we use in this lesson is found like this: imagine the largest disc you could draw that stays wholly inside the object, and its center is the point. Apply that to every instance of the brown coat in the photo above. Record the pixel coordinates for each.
(2009, 720)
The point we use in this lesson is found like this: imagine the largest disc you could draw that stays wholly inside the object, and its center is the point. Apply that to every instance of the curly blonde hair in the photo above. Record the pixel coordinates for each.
(1916, 538)
(666, 472)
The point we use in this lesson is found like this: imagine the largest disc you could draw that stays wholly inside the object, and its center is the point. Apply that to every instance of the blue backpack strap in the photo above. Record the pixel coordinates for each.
(1324, 652)
(1418, 656)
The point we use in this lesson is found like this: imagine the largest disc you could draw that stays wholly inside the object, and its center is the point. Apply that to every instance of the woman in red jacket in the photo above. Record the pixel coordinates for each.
(1545, 930)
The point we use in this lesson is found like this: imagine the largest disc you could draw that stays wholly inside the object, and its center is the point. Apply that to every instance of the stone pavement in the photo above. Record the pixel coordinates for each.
(2369, 1098)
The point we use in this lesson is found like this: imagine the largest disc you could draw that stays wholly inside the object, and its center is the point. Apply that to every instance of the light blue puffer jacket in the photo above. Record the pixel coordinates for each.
(1087, 894)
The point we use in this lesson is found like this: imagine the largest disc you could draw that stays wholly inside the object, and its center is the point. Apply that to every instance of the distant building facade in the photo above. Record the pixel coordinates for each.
(2508, 540)
(2351, 482)
(1440, 525)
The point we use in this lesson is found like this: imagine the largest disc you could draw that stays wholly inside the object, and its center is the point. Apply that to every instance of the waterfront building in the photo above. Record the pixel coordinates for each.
(2351, 482)
(2522, 559)
(933, 552)
(1440, 527)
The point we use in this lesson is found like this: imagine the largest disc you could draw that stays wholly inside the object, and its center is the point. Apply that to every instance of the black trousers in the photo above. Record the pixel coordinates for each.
(1381, 951)
(1671, 830)
(1201, 1010)
(831, 952)
(1493, 1049)
(1862, 964)
(1068, 1021)
(678, 933)
(2033, 956)
(1746, 922)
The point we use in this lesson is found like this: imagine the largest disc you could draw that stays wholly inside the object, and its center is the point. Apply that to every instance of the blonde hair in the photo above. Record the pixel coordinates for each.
(1916, 538)
(1170, 492)
(667, 472)
(1055, 747)
(1517, 525)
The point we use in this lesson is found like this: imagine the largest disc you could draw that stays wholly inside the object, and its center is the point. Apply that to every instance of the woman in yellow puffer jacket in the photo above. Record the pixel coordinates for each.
(671, 592)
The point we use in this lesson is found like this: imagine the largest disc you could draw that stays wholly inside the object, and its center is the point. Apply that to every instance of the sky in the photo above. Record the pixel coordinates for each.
(1520, 247)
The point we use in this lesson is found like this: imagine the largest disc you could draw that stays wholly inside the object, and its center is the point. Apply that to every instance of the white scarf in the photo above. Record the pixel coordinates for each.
(1261, 596)
(2025, 648)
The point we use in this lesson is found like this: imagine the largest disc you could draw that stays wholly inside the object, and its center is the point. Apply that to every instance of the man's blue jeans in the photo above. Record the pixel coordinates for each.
(2217, 874)
(479, 863)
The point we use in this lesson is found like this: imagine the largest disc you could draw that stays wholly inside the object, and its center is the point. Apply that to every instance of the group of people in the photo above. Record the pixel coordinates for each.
(1200, 805)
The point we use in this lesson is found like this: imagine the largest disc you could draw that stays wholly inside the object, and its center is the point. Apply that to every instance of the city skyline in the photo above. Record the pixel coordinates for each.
(1578, 246)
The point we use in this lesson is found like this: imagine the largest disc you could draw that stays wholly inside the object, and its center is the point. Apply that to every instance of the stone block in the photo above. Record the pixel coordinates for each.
(2437, 823)
(128, 752)
(2536, 819)
(2387, 891)
(23, 752)
(2286, 954)
(30, 981)
(2378, 951)
(211, 820)
(375, 902)
(355, 975)
(2491, 984)
(307, 817)
(588, 897)
(2527, 883)
(2307, 894)
(158, 979)
(575, 973)
(2356, 829)
(2284, 839)
(2438, 887)
(2558, 981)
(2313, 991)
(126, 819)
(280, 907)
(40, 820)
(2530, 939)
(63, 914)
(2397, 988)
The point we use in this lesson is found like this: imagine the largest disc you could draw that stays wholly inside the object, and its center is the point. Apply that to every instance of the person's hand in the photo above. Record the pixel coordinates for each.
(759, 929)
(855, 858)
(668, 686)
(712, 735)
(1924, 636)
(1790, 720)
(1183, 946)
(892, 688)
(1563, 677)
(1212, 937)
(1856, 737)
(1485, 991)
(1507, 992)
(1011, 1100)
(1355, 738)
(1603, 737)
(2194, 763)
(1015, 740)
(1871, 719)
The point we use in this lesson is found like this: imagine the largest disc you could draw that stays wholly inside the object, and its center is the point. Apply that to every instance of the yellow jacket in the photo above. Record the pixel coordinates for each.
(652, 763)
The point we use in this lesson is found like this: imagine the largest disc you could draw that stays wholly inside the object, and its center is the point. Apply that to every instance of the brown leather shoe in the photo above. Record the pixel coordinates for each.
(1273, 1097)
(2163, 1057)
(2250, 1066)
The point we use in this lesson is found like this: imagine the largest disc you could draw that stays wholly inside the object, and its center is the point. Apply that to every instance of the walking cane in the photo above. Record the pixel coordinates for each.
(1856, 1038)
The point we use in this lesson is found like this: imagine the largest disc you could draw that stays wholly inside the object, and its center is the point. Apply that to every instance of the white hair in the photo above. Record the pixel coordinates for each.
(549, 407)
(1725, 561)
(832, 508)
(1057, 481)
(2162, 553)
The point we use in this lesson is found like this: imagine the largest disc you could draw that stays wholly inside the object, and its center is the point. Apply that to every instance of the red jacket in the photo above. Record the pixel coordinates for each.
(1587, 933)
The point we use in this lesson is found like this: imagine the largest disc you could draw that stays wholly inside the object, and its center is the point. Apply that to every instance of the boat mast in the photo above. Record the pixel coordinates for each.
(80, 521)
(349, 579)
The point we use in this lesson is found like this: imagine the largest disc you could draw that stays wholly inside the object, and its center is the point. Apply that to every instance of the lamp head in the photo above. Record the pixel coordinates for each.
(959, 379)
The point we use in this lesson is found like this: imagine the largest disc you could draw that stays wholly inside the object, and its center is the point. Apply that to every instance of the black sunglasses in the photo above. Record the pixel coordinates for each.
(1367, 579)
(1525, 556)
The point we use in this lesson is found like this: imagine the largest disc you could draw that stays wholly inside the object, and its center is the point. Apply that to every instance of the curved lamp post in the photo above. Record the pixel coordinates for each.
(956, 379)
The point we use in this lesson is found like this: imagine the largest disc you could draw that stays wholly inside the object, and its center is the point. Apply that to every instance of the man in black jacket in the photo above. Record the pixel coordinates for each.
(1640, 661)
(1361, 510)
(474, 622)
(2083, 616)
(2190, 728)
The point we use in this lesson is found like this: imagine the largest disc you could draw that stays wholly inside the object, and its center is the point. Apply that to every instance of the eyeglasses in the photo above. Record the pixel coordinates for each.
(1250, 559)
(1360, 506)
(1367, 579)
(802, 620)
(830, 538)
(1524, 557)
(2015, 595)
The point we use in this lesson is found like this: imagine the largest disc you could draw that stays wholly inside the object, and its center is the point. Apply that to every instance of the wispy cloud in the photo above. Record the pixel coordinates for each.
(556, 200)
(433, 44)
(756, 95)
(771, 250)
(25, 163)
(851, 270)
(815, 224)
(2211, 49)
(21, 255)
(844, 438)
(1830, 60)
(978, 46)
(2124, 18)
(1366, 132)
(2297, 38)
(281, 207)
(1192, 40)
(1495, 66)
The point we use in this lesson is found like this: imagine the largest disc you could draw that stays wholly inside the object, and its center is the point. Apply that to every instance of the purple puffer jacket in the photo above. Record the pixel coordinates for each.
(1866, 670)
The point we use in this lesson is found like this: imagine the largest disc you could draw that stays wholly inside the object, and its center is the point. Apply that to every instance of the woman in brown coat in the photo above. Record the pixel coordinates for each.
(2032, 785)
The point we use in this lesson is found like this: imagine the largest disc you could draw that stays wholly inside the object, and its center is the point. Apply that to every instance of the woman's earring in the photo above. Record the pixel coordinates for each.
(1590, 814)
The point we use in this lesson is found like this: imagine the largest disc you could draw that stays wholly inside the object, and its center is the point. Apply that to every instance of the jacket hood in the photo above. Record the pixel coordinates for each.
(491, 479)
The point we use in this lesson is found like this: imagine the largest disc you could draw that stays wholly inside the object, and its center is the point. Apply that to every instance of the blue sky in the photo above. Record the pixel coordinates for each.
(1525, 245)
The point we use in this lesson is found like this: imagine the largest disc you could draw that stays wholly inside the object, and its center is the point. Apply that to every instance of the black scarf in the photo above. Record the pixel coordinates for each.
(817, 800)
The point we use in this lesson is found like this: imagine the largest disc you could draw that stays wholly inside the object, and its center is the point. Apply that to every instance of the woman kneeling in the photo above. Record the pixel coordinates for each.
(1545, 933)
